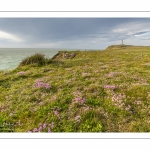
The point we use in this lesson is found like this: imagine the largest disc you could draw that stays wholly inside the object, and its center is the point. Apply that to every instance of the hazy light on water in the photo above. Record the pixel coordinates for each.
(11, 57)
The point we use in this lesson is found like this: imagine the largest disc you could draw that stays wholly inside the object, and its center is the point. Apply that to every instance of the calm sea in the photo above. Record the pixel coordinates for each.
(11, 57)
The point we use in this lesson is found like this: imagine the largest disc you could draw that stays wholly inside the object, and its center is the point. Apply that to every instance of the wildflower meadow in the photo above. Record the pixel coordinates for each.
(94, 91)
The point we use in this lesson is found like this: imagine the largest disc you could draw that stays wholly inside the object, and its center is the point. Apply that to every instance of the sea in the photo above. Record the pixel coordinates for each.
(10, 58)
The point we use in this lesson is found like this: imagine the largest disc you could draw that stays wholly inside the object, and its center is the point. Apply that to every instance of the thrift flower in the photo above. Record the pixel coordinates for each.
(41, 103)
(44, 125)
(57, 114)
(41, 84)
(21, 73)
(79, 100)
(35, 130)
(11, 114)
(52, 125)
(77, 118)
(49, 130)
(109, 87)
(40, 128)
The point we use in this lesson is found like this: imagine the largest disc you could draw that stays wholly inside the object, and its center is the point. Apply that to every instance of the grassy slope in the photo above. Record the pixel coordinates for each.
(97, 91)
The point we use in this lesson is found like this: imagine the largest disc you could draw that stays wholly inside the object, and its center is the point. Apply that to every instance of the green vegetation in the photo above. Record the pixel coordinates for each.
(34, 59)
(81, 91)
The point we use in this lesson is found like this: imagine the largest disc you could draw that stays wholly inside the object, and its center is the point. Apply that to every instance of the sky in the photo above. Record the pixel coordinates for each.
(73, 33)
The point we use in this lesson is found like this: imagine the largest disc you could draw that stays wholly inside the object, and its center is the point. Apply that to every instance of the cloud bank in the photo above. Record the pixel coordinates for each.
(73, 33)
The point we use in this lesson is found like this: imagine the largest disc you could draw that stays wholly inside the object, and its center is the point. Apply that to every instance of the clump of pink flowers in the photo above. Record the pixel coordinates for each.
(41, 103)
(21, 73)
(86, 108)
(110, 87)
(79, 100)
(43, 127)
(77, 118)
(119, 101)
(11, 114)
(57, 114)
(41, 84)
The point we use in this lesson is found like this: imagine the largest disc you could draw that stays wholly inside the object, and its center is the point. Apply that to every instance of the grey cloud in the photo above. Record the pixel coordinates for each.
(140, 33)
(69, 31)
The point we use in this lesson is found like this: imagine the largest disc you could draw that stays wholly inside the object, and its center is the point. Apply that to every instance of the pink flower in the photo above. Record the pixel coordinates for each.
(77, 118)
(44, 125)
(11, 114)
(52, 125)
(21, 73)
(49, 130)
(41, 84)
(79, 100)
(41, 103)
(40, 128)
(57, 114)
(109, 87)
(86, 108)
(83, 100)
(35, 130)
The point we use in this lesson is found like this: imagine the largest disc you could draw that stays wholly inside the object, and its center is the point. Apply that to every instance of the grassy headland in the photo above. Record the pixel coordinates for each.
(80, 91)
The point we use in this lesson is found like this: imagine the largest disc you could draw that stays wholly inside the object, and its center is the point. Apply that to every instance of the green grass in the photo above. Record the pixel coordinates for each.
(94, 91)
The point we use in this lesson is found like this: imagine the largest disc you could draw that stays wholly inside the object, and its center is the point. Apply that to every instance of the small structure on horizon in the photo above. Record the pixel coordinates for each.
(122, 42)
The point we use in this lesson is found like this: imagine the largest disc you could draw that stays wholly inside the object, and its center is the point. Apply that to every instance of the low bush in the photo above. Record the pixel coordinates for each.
(36, 58)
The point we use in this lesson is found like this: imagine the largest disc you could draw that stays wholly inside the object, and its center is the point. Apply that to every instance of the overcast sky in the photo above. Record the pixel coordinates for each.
(73, 33)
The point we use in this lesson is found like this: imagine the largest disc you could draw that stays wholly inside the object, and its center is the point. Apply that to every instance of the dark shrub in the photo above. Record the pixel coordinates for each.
(36, 58)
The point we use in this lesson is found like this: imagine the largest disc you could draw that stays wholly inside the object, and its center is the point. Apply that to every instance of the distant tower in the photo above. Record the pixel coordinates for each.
(122, 42)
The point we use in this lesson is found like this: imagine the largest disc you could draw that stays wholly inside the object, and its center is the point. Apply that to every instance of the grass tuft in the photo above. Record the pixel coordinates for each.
(34, 59)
